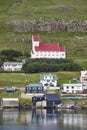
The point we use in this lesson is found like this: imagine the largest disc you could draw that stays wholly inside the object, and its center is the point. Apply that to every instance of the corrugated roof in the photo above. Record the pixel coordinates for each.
(36, 38)
(35, 85)
(52, 97)
(49, 47)
(13, 63)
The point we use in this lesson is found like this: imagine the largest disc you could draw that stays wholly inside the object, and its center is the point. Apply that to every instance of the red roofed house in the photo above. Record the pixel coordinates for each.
(46, 50)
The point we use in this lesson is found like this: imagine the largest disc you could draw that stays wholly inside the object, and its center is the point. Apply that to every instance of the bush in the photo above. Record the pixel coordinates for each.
(50, 65)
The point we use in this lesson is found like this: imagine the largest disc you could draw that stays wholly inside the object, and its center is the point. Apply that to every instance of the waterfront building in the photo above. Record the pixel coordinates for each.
(46, 101)
(10, 102)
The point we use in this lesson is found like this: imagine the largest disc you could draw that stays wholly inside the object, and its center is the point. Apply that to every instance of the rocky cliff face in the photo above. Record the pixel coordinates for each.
(48, 25)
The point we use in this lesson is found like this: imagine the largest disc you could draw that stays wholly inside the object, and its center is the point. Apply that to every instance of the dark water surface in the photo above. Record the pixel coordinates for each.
(43, 120)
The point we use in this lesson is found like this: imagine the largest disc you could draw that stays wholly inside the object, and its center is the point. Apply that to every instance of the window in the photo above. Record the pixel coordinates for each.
(39, 88)
(72, 87)
(48, 80)
(67, 87)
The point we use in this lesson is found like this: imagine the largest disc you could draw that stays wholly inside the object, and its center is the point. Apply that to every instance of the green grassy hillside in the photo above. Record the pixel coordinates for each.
(30, 9)
(67, 9)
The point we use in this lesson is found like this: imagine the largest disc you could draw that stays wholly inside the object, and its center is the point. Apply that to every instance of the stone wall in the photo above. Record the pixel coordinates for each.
(48, 25)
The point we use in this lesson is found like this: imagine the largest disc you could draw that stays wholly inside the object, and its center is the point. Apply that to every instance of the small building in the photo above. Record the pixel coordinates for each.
(46, 101)
(52, 100)
(34, 88)
(10, 89)
(83, 77)
(10, 102)
(37, 101)
(85, 88)
(12, 66)
(48, 80)
(72, 88)
(47, 50)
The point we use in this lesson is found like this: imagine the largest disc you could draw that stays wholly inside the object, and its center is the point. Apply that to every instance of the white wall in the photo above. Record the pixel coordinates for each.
(48, 54)
(12, 67)
(72, 88)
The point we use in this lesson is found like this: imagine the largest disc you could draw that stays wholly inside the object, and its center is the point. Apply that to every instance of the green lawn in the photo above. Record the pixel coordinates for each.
(18, 80)
(10, 95)
(21, 80)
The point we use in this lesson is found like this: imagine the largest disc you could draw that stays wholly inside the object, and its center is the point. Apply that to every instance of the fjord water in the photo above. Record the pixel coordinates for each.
(42, 119)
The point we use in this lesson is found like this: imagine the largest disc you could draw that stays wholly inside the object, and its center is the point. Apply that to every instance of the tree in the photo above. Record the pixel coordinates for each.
(10, 55)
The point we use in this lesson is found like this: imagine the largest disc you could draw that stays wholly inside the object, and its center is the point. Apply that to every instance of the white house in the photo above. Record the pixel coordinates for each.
(49, 81)
(46, 50)
(72, 88)
(10, 102)
(83, 77)
(12, 66)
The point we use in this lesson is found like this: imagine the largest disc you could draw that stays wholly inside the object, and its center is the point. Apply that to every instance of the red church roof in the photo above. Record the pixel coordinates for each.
(36, 38)
(50, 47)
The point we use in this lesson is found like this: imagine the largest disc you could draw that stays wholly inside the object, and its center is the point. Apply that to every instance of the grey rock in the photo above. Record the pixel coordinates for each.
(48, 25)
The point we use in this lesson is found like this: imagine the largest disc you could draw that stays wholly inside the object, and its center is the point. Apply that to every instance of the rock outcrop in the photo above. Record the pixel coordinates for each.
(48, 25)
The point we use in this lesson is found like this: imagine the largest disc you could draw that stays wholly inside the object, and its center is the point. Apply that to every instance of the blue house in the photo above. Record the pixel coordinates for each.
(52, 100)
(34, 88)
(46, 101)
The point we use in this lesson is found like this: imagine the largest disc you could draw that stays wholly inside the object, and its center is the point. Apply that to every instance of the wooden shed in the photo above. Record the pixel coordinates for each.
(10, 102)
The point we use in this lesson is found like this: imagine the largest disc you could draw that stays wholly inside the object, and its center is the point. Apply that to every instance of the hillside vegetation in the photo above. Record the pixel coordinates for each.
(66, 9)
(75, 42)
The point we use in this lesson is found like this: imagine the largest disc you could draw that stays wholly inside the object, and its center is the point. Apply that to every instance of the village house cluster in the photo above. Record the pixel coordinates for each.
(37, 91)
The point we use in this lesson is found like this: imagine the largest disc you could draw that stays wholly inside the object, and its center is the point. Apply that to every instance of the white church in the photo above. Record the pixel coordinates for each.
(47, 50)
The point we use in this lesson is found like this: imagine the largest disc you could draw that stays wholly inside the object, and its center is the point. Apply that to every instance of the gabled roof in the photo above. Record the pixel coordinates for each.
(35, 85)
(36, 38)
(13, 63)
(52, 97)
(54, 77)
(49, 47)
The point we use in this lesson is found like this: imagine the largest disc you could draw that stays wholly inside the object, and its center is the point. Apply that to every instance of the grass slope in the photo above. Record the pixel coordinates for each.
(66, 9)
(21, 80)
(62, 9)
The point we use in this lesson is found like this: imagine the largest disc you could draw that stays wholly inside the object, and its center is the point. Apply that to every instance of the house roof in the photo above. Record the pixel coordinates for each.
(50, 47)
(13, 63)
(72, 84)
(36, 38)
(54, 77)
(10, 99)
(35, 85)
(52, 97)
